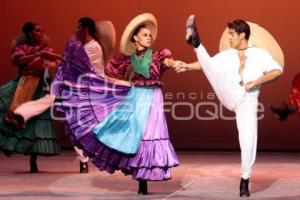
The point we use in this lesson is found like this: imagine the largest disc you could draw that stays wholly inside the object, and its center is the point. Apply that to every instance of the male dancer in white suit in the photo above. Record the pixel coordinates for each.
(236, 75)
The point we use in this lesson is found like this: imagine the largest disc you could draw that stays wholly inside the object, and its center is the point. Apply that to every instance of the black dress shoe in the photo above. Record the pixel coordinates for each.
(192, 36)
(15, 119)
(143, 188)
(9, 118)
(284, 112)
(84, 167)
(33, 164)
(21, 124)
(244, 190)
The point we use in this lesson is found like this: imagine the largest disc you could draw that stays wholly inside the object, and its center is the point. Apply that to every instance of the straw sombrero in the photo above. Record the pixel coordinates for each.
(107, 38)
(126, 45)
(259, 37)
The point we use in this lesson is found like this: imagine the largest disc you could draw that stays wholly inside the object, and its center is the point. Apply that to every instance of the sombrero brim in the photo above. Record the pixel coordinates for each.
(107, 38)
(259, 37)
(126, 45)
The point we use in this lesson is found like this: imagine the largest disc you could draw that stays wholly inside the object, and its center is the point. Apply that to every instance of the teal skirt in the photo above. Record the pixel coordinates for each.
(39, 137)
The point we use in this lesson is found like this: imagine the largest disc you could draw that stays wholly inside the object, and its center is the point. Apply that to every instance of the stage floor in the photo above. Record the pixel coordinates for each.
(201, 175)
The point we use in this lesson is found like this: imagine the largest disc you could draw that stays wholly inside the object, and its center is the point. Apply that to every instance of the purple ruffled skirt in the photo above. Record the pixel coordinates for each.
(87, 102)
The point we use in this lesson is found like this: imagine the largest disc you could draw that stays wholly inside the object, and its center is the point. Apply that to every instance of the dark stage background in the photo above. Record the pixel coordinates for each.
(187, 95)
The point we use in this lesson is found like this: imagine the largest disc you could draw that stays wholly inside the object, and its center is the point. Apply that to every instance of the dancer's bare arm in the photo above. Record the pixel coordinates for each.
(185, 67)
(169, 62)
(267, 77)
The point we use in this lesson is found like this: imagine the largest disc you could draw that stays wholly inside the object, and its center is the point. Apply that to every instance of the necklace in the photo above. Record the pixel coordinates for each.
(244, 49)
(141, 65)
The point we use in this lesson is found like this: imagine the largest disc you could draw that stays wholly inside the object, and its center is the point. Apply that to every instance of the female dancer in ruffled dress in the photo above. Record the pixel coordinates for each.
(120, 125)
(34, 56)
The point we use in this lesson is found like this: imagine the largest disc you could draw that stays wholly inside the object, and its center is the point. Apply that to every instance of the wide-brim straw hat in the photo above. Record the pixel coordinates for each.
(127, 47)
(259, 37)
(107, 38)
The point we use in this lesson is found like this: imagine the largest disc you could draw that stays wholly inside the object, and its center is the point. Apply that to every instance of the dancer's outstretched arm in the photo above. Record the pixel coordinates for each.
(169, 62)
(194, 66)
(190, 66)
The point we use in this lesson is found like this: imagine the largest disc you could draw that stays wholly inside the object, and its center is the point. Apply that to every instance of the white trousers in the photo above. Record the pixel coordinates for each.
(246, 120)
(33, 108)
(235, 98)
